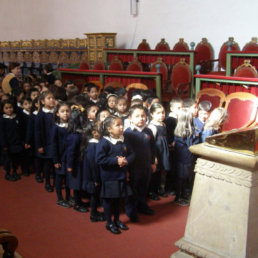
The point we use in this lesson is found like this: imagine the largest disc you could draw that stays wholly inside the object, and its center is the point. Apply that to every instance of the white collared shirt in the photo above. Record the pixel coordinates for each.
(26, 112)
(48, 110)
(93, 140)
(12, 116)
(114, 140)
(140, 129)
(63, 125)
(94, 100)
(35, 112)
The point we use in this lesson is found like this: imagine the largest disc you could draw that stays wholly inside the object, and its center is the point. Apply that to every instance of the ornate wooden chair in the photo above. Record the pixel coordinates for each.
(181, 46)
(251, 46)
(9, 243)
(116, 65)
(160, 67)
(143, 46)
(114, 84)
(99, 65)
(84, 66)
(134, 86)
(242, 110)
(162, 46)
(246, 70)
(215, 96)
(203, 53)
(135, 65)
(181, 78)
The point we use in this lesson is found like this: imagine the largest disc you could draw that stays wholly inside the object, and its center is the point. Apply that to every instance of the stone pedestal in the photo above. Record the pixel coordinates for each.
(223, 215)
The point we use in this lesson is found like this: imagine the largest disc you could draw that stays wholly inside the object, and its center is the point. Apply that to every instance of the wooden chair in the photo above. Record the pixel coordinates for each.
(135, 65)
(246, 70)
(181, 46)
(116, 65)
(9, 243)
(242, 110)
(203, 53)
(134, 86)
(251, 46)
(162, 46)
(84, 66)
(143, 46)
(215, 96)
(160, 67)
(114, 84)
(181, 78)
(99, 66)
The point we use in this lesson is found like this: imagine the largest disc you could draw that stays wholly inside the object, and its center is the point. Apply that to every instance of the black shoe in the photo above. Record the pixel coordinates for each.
(153, 196)
(27, 173)
(64, 204)
(162, 193)
(39, 179)
(113, 229)
(97, 217)
(80, 208)
(71, 200)
(121, 225)
(147, 211)
(134, 219)
(9, 178)
(181, 202)
(172, 192)
(49, 188)
(16, 176)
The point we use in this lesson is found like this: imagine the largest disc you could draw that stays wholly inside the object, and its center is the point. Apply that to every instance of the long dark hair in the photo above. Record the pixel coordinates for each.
(77, 120)
(58, 106)
(106, 124)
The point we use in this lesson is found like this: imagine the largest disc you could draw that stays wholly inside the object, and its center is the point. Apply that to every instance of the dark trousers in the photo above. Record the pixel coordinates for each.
(108, 205)
(58, 184)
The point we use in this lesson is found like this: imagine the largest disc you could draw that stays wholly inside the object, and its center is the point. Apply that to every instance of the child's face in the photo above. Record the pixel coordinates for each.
(176, 108)
(8, 109)
(37, 87)
(16, 70)
(95, 134)
(26, 87)
(92, 113)
(159, 115)
(63, 113)
(112, 102)
(34, 94)
(138, 117)
(203, 115)
(116, 129)
(58, 83)
(26, 105)
(93, 93)
(121, 106)
(103, 115)
(49, 101)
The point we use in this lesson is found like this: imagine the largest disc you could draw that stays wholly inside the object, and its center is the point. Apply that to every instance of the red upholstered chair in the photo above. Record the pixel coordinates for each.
(135, 65)
(160, 67)
(181, 46)
(99, 66)
(251, 46)
(246, 70)
(203, 53)
(181, 78)
(162, 46)
(116, 65)
(215, 96)
(242, 110)
(84, 66)
(143, 46)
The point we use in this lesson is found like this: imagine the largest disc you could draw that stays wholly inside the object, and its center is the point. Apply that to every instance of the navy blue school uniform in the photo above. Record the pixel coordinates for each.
(113, 177)
(74, 178)
(206, 133)
(170, 123)
(143, 145)
(198, 126)
(91, 174)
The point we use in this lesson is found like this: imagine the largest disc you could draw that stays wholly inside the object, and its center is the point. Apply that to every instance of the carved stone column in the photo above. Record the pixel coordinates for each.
(223, 215)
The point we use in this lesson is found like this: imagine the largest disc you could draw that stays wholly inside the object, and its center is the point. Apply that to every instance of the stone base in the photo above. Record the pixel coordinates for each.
(180, 254)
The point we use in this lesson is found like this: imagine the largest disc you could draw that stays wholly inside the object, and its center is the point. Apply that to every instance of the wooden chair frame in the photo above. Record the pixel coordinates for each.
(246, 64)
(212, 92)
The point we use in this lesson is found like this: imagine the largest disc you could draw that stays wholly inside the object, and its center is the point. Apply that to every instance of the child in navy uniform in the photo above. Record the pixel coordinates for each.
(11, 142)
(76, 122)
(43, 125)
(143, 144)
(91, 175)
(113, 156)
(58, 151)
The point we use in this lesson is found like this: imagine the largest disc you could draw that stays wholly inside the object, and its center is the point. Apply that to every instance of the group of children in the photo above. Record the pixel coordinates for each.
(96, 144)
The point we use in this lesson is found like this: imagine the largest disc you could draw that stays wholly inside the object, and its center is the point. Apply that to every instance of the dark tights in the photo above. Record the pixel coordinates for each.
(58, 184)
(108, 204)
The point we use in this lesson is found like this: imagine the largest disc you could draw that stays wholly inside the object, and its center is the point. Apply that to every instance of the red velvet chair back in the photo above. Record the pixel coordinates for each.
(116, 65)
(242, 110)
(99, 66)
(224, 49)
(162, 46)
(246, 70)
(181, 78)
(251, 46)
(203, 52)
(135, 65)
(215, 96)
(143, 46)
(84, 66)
(162, 68)
(181, 46)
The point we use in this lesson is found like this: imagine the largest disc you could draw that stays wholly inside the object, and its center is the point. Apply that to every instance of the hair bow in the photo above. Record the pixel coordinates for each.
(75, 107)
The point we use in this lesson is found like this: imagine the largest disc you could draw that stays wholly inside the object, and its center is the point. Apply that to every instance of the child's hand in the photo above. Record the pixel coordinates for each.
(96, 184)
(41, 150)
(27, 146)
(153, 167)
(156, 161)
(121, 161)
(69, 170)
(57, 165)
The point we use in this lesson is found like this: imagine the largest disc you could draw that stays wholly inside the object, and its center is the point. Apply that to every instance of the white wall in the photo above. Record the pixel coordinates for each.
(171, 19)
